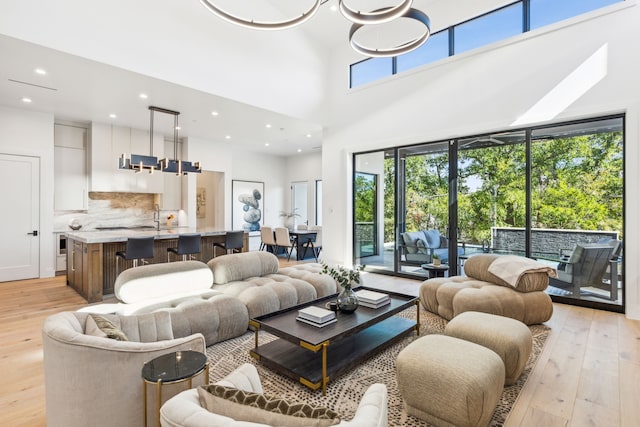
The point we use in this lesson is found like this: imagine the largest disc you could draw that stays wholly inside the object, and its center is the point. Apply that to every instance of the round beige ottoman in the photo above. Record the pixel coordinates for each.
(510, 339)
(449, 382)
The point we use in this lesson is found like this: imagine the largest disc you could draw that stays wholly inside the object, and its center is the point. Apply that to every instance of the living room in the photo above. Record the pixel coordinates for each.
(492, 88)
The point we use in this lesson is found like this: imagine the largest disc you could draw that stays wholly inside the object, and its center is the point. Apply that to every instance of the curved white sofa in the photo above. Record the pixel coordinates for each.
(95, 381)
(256, 279)
(184, 409)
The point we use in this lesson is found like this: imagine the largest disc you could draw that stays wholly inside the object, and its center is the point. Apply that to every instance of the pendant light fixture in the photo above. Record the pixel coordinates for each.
(139, 162)
(175, 165)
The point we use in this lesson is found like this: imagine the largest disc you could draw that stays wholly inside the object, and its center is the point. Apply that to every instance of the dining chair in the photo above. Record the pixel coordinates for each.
(316, 245)
(267, 239)
(283, 240)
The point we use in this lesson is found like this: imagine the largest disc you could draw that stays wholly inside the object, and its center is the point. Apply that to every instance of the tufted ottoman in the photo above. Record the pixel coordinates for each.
(447, 381)
(510, 339)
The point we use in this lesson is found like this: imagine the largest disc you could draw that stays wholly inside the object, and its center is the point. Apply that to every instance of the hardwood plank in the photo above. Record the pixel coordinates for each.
(562, 389)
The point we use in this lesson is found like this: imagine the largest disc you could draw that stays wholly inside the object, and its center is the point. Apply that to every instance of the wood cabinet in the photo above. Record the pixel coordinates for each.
(84, 269)
(70, 167)
(108, 143)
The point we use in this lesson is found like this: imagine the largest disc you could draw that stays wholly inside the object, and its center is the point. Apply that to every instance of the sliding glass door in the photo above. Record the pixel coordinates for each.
(554, 194)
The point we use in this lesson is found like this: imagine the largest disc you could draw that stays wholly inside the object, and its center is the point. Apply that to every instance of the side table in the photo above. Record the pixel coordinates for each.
(172, 368)
(435, 270)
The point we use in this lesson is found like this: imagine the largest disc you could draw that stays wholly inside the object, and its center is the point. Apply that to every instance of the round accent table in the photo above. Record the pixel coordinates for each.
(435, 270)
(172, 368)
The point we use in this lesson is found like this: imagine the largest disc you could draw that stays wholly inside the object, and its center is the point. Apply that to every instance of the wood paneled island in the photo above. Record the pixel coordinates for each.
(91, 257)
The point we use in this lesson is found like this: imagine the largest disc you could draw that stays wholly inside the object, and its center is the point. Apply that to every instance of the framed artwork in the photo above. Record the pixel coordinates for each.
(201, 202)
(247, 205)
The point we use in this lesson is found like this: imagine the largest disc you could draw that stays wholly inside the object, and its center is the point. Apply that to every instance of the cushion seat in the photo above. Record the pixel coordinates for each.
(508, 338)
(447, 381)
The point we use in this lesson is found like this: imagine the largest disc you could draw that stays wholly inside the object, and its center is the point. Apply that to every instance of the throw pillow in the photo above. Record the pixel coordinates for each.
(102, 327)
(259, 408)
(422, 246)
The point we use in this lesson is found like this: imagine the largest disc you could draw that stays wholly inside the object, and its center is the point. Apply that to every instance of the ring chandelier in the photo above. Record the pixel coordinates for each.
(359, 19)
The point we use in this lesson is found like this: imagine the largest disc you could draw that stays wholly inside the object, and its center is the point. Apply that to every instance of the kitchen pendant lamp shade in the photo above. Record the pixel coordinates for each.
(258, 25)
(138, 162)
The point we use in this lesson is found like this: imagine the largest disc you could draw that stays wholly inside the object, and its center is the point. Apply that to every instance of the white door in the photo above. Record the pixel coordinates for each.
(19, 227)
(299, 202)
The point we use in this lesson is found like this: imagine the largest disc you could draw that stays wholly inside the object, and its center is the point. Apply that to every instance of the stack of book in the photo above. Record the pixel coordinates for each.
(316, 316)
(371, 299)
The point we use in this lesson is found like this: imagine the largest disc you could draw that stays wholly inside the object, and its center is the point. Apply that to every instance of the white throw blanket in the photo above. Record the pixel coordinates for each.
(511, 267)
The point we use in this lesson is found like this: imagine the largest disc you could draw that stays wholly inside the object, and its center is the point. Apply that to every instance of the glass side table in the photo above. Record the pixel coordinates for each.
(172, 368)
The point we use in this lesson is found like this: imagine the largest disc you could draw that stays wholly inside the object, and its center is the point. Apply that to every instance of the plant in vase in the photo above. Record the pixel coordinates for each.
(289, 218)
(347, 278)
(436, 259)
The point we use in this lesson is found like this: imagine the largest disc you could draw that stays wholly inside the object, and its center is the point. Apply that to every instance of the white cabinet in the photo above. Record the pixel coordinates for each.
(108, 143)
(70, 168)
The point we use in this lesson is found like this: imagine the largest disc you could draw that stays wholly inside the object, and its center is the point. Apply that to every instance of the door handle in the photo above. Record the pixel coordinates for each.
(33, 233)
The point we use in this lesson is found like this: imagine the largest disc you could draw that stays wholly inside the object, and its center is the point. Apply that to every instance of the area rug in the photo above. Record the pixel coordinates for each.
(344, 393)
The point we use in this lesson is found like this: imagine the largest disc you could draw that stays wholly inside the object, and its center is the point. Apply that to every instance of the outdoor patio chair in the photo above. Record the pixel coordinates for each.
(585, 267)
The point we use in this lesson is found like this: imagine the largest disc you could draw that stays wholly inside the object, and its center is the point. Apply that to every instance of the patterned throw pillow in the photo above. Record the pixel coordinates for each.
(103, 327)
(259, 408)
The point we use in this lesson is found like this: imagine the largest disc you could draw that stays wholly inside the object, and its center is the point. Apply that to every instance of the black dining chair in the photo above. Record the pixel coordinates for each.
(137, 248)
(188, 245)
(233, 242)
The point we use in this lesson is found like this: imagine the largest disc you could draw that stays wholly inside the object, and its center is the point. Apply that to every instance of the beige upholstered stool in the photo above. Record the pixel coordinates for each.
(447, 381)
(510, 339)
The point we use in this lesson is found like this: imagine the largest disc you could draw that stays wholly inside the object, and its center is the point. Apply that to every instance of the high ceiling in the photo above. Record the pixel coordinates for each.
(99, 58)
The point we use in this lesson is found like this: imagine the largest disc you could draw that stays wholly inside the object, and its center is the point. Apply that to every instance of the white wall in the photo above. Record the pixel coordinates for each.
(26, 133)
(584, 67)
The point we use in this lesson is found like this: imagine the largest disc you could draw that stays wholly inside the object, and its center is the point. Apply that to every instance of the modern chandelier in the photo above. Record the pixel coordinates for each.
(359, 19)
(140, 162)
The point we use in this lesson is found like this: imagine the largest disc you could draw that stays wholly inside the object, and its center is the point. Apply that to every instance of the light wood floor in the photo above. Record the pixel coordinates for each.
(587, 375)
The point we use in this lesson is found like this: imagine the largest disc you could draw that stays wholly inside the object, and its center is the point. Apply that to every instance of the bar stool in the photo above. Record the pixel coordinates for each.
(138, 248)
(188, 244)
(233, 242)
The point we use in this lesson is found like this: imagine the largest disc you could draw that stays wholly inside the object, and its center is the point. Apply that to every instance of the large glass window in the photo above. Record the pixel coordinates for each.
(545, 12)
(370, 70)
(554, 194)
(436, 48)
(498, 25)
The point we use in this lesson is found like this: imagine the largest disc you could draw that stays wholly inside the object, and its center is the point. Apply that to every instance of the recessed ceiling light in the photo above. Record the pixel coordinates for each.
(227, 137)
(308, 135)
(214, 113)
(113, 116)
(267, 125)
(266, 144)
(333, 8)
(178, 128)
(26, 100)
(40, 71)
(299, 150)
(143, 96)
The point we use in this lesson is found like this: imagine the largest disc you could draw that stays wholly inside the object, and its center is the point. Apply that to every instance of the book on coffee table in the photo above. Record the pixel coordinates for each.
(316, 324)
(317, 315)
(372, 299)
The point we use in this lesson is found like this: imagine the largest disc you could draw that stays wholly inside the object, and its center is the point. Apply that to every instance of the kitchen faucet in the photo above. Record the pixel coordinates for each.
(156, 215)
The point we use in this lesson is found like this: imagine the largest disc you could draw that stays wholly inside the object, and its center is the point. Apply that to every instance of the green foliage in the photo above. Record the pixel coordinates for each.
(576, 184)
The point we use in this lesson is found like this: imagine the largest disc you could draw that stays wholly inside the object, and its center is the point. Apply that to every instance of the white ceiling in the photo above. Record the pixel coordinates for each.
(184, 59)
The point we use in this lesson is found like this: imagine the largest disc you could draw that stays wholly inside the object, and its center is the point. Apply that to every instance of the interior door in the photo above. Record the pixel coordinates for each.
(19, 256)
(299, 202)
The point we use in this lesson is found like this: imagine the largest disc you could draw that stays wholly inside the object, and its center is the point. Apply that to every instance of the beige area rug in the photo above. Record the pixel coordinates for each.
(344, 393)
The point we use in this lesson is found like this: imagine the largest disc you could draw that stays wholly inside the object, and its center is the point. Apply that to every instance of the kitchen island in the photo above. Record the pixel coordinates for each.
(91, 257)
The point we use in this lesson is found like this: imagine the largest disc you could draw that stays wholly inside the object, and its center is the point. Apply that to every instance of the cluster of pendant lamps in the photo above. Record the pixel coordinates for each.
(359, 19)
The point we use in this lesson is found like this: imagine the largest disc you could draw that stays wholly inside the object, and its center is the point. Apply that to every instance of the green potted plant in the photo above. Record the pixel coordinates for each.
(347, 278)
(436, 259)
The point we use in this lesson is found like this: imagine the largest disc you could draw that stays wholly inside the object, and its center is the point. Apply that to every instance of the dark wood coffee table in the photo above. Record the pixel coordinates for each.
(314, 355)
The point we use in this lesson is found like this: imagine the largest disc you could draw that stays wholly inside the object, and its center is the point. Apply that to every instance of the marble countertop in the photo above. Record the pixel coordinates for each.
(110, 236)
